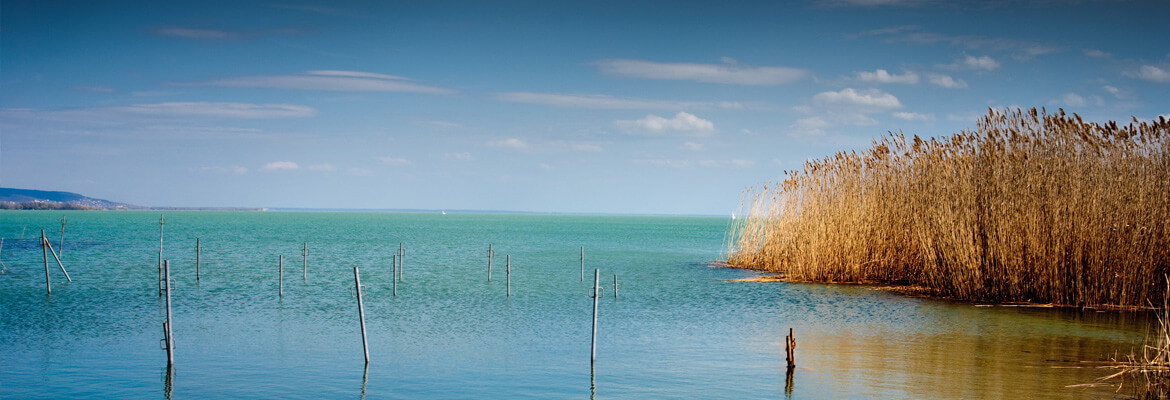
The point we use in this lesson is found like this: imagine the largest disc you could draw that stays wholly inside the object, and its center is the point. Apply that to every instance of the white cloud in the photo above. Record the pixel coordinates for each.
(682, 121)
(586, 147)
(394, 160)
(596, 101)
(1118, 93)
(984, 63)
(323, 167)
(218, 110)
(913, 116)
(1097, 53)
(1152, 74)
(866, 99)
(711, 73)
(882, 76)
(329, 80)
(280, 165)
(692, 146)
(946, 81)
(510, 143)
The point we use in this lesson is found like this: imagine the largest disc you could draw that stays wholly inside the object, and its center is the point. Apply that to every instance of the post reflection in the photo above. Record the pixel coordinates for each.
(365, 378)
(592, 382)
(168, 381)
(788, 382)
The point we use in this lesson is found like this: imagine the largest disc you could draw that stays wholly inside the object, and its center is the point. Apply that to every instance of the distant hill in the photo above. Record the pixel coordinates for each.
(28, 199)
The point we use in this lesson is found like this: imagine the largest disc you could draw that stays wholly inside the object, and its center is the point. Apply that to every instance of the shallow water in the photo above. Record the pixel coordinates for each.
(678, 329)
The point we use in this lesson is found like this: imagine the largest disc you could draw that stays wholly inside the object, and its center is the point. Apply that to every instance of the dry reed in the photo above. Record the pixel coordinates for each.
(1029, 206)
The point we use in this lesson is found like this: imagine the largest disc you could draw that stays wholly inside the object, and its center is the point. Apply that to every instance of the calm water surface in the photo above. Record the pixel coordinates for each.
(678, 329)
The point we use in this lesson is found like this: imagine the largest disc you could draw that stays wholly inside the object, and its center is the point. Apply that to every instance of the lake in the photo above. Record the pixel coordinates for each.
(679, 327)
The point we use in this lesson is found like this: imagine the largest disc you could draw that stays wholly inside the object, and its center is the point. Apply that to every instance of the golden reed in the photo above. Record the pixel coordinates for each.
(1029, 206)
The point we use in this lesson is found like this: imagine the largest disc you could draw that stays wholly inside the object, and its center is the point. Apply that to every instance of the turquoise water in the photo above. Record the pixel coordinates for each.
(679, 328)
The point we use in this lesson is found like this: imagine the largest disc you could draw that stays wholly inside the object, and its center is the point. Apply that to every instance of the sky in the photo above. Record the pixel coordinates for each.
(544, 106)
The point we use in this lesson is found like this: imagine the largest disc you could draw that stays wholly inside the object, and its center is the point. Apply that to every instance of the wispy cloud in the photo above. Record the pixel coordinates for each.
(712, 73)
(984, 63)
(394, 160)
(1151, 73)
(1097, 53)
(913, 116)
(691, 164)
(914, 35)
(94, 89)
(280, 166)
(692, 146)
(871, 99)
(586, 147)
(682, 122)
(329, 80)
(597, 101)
(946, 81)
(882, 76)
(218, 110)
(871, 3)
(198, 33)
(461, 156)
(510, 143)
(217, 34)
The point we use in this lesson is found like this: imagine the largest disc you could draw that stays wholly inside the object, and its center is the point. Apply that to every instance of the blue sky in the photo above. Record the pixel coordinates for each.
(613, 107)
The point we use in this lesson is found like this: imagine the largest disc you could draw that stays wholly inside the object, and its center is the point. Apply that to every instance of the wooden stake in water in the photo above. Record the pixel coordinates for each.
(401, 261)
(394, 274)
(197, 258)
(45, 250)
(50, 245)
(596, 290)
(305, 254)
(161, 220)
(281, 269)
(169, 324)
(508, 272)
(489, 255)
(582, 263)
(61, 249)
(790, 349)
(357, 283)
(615, 286)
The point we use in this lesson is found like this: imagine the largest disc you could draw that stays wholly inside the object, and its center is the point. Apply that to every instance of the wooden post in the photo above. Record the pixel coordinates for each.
(401, 262)
(305, 253)
(45, 251)
(169, 325)
(394, 274)
(790, 349)
(615, 286)
(489, 255)
(596, 289)
(61, 250)
(50, 245)
(281, 269)
(197, 259)
(2, 266)
(357, 283)
(161, 220)
(508, 273)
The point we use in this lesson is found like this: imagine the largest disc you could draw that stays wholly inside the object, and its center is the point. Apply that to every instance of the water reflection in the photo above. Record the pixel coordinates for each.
(168, 381)
(592, 382)
(365, 378)
(788, 382)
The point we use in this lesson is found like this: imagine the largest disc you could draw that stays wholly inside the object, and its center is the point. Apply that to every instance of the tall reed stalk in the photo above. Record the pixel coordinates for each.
(1029, 206)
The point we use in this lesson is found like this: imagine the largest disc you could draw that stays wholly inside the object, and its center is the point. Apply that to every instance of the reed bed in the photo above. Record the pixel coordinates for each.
(1027, 207)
